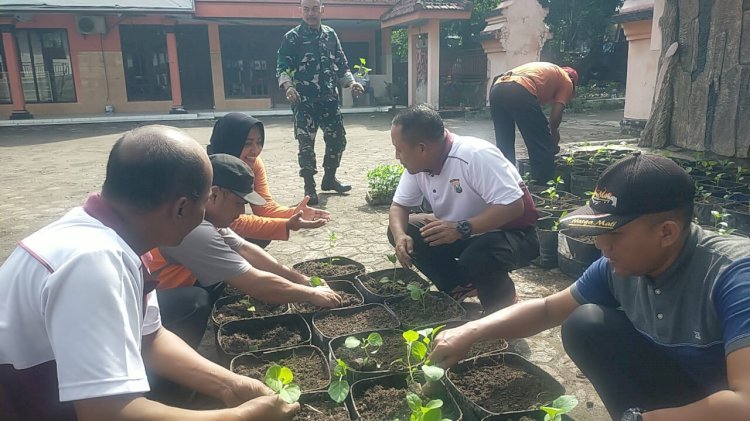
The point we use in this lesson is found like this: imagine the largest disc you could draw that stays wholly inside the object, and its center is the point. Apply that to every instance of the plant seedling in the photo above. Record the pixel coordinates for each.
(332, 238)
(249, 306)
(556, 224)
(394, 261)
(560, 406)
(432, 411)
(316, 281)
(552, 190)
(720, 225)
(279, 379)
(373, 340)
(418, 344)
(361, 68)
(417, 293)
(339, 388)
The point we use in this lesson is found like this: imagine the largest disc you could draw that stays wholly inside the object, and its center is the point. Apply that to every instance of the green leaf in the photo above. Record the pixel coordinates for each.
(392, 258)
(290, 393)
(315, 281)
(338, 390)
(419, 350)
(415, 403)
(432, 373)
(425, 332)
(433, 404)
(410, 336)
(565, 402)
(352, 342)
(375, 339)
(341, 368)
(433, 414)
(285, 375)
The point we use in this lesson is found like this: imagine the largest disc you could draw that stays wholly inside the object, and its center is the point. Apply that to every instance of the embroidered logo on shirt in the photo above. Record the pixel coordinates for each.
(456, 183)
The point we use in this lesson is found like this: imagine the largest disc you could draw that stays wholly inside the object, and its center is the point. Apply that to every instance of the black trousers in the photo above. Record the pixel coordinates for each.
(510, 105)
(626, 369)
(483, 261)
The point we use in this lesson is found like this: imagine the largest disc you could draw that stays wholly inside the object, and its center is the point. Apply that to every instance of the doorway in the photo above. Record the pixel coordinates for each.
(195, 67)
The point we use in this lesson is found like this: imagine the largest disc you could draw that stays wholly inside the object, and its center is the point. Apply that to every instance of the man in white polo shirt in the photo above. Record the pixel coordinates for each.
(483, 221)
(79, 321)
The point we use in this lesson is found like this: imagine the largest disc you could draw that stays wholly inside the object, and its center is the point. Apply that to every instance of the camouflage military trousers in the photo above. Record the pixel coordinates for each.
(308, 116)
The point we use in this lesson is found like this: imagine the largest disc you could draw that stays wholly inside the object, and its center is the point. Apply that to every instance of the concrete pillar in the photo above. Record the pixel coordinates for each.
(14, 74)
(433, 62)
(411, 73)
(386, 58)
(643, 64)
(174, 72)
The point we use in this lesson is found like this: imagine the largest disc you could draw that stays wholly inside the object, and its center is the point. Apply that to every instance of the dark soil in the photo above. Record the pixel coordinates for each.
(392, 288)
(393, 348)
(347, 300)
(500, 388)
(236, 311)
(437, 308)
(486, 346)
(386, 403)
(270, 337)
(333, 324)
(327, 410)
(325, 269)
(309, 368)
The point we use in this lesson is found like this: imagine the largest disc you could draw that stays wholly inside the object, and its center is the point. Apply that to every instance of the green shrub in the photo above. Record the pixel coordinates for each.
(383, 180)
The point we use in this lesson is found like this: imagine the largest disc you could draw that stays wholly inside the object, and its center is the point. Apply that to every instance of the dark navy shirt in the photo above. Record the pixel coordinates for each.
(697, 311)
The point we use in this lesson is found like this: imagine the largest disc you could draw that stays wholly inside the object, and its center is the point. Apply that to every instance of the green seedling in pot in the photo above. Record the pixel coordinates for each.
(720, 225)
(249, 306)
(552, 190)
(417, 293)
(369, 345)
(560, 406)
(556, 224)
(432, 411)
(332, 238)
(316, 281)
(339, 388)
(394, 261)
(279, 379)
(418, 345)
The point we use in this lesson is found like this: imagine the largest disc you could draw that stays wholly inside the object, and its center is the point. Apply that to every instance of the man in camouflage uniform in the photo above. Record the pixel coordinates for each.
(310, 65)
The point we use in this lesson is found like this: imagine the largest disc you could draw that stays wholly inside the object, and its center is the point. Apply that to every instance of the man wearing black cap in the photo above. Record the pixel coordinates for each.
(661, 323)
(213, 253)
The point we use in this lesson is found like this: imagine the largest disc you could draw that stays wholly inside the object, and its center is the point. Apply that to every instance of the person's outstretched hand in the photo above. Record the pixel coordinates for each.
(297, 221)
(311, 214)
(451, 346)
(267, 408)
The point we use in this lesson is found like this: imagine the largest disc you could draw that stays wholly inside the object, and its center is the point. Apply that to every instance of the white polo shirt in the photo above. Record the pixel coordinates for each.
(475, 176)
(73, 292)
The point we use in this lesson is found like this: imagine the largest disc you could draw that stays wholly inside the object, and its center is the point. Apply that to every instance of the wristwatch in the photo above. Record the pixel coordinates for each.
(464, 228)
(632, 414)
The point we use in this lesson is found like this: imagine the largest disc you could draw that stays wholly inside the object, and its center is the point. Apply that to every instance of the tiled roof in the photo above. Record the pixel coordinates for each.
(404, 7)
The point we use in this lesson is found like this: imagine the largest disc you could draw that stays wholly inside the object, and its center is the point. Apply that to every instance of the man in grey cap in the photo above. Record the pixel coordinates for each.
(661, 323)
(190, 275)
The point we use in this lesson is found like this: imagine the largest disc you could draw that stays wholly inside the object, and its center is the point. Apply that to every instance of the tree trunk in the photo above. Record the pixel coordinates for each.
(703, 84)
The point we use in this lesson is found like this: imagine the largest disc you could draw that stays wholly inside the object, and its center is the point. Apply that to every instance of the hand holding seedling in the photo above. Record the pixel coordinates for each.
(279, 379)
(440, 232)
(357, 89)
(323, 296)
(404, 249)
(311, 214)
(452, 345)
(241, 389)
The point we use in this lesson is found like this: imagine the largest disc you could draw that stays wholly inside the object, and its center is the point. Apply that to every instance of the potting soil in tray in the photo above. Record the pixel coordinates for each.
(332, 324)
(327, 410)
(347, 300)
(387, 403)
(271, 337)
(394, 347)
(500, 388)
(436, 308)
(310, 370)
(325, 269)
(237, 311)
(486, 346)
(391, 288)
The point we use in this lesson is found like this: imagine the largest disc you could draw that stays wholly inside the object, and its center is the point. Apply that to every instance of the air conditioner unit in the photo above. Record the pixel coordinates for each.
(91, 25)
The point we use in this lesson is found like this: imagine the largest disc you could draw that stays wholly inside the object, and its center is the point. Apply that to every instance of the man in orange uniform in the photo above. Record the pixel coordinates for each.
(517, 97)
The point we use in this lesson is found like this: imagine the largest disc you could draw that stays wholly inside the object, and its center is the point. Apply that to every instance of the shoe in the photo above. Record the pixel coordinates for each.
(463, 292)
(310, 190)
(331, 183)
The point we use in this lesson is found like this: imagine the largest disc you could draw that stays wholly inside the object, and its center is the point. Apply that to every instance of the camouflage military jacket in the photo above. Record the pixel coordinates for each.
(314, 62)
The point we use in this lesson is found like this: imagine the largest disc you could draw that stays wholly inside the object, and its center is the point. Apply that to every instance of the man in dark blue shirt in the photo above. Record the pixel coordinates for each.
(661, 323)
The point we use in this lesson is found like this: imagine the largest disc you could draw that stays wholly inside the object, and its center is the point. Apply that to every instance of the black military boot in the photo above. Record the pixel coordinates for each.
(331, 183)
(310, 189)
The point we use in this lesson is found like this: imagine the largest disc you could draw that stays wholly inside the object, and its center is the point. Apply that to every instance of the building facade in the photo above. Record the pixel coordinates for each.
(136, 56)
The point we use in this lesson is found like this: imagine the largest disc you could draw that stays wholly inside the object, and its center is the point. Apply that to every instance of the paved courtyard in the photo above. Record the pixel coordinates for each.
(49, 169)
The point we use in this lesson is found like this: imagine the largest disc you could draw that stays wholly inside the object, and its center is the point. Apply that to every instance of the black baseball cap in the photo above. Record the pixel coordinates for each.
(234, 175)
(637, 185)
